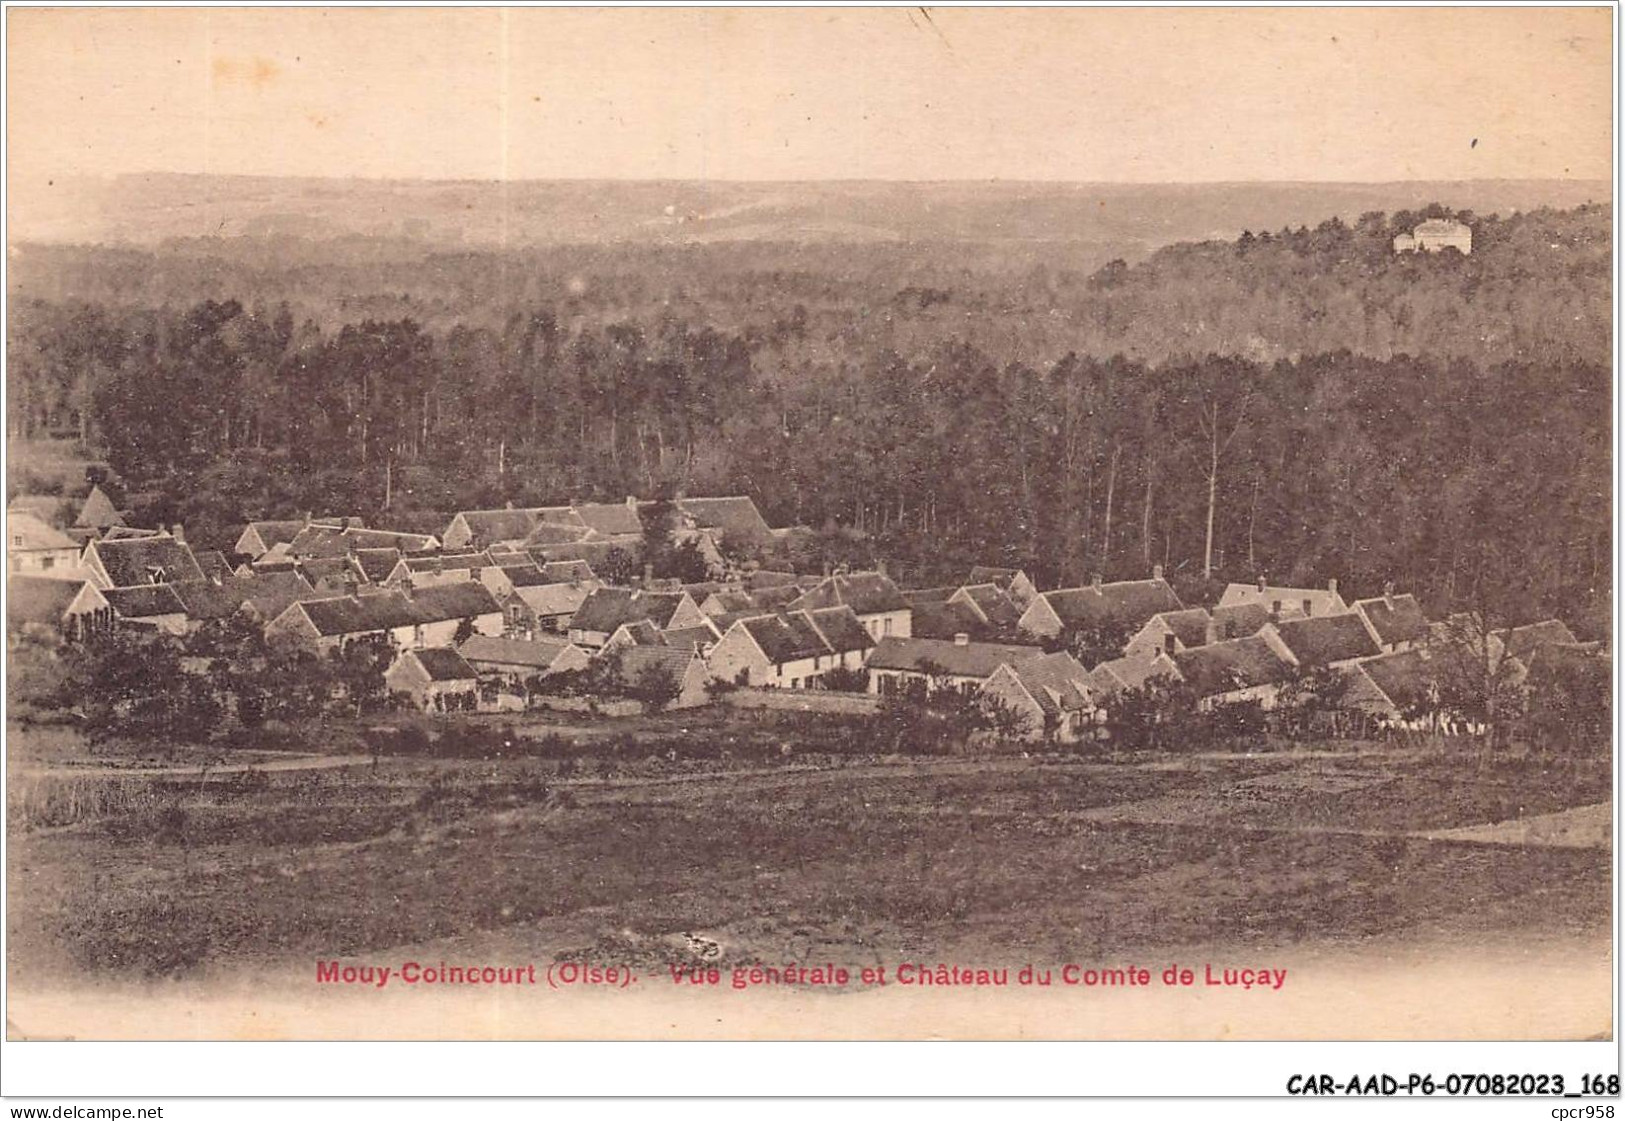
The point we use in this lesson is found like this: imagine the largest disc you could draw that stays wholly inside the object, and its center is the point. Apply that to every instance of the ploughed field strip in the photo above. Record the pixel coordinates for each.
(1582, 827)
(984, 864)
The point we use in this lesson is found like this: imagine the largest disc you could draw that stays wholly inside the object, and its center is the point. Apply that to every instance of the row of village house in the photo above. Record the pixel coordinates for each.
(503, 596)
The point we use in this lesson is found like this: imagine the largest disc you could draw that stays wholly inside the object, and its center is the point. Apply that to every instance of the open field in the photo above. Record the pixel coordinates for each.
(854, 861)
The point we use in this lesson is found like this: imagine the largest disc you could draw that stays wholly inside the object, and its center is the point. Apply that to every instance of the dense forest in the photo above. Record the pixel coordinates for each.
(1303, 403)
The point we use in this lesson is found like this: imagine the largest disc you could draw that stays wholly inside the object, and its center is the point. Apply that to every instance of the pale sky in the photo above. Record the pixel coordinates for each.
(759, 94)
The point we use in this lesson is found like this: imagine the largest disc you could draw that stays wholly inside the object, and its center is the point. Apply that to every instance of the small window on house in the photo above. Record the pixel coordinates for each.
(888, 625)
(1277, 607)
(47, 562)
(17, 541)
(1308, 607)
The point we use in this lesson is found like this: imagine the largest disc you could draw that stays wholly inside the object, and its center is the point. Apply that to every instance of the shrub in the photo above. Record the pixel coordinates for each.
(843, 680)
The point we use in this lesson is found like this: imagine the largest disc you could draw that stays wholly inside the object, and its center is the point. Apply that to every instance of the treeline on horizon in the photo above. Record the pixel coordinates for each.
(1477, 467)
(1536, 285)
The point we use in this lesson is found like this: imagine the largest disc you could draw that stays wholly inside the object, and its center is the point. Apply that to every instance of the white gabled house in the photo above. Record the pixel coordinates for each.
(336, 622)
(882, 609)
(603, 611)
(444, 610)
(1283, 602)
(1051, 694)
(1126, 604)
(792, 650)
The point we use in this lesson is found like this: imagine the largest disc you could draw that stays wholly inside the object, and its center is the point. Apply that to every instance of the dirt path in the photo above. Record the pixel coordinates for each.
(1584, 827)
(198, 770)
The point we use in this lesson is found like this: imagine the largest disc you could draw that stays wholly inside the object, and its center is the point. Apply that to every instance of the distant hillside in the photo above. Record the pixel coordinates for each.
(1537, 286)
(1126, 220)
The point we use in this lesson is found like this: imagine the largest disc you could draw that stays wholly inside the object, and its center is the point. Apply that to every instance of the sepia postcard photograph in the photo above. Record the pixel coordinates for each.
(811, 524)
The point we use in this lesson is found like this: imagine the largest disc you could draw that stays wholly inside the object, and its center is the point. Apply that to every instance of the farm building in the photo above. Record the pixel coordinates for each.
(1051, 694)
(1013, 582)
(1238, 669)
(570, 572)
(477, 529)
(1169, 632)
(1132, 672)
(772, 650)
(58, 610)
(375, 565)
(436, 568)
(634, 666)
(943, 618)
(639, 632)
(163, 559)
(335, 622)
(792, 650)
(872, 596)
(34, 547)
(543, 609)
(603, 610)
(1283, 602)
(1521, 642)
(1125, 604)
(501, 579)
(329, 541)
(209, 602)
(444, 610)
(701, 639)
(953, 663)
(1398, 689)
(1396, 622)
(518, 660)
(149, 605)
(98, 512)
(259, 538)
(1326, 640)
(998, 611)
(1238, 620)
(437, 680)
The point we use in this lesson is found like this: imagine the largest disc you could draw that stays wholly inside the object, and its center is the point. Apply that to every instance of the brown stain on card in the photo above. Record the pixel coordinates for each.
(255, 71)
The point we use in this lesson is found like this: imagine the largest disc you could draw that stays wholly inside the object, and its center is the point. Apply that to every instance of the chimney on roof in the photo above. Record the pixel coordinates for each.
(1331, 585)
(508, 505)
(306, 516)
(1156, 572)
(826, 569)
(961, 639)
(1262, 585)
(1388, 593)
(648, 575)
(631, 502)
(178, 532)
(1095, 581)
(1212, 633)
(880, 566)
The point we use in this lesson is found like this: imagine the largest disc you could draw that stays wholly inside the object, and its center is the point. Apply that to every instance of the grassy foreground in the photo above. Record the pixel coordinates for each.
(996, 860)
